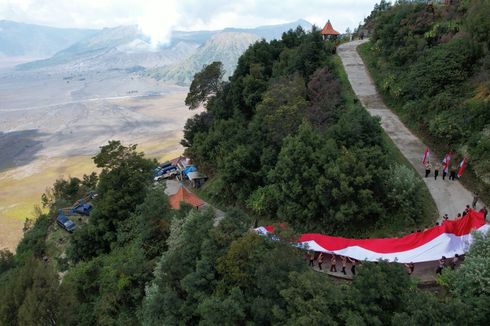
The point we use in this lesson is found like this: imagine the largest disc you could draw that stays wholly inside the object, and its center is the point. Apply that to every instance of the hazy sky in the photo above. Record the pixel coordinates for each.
(158, 17)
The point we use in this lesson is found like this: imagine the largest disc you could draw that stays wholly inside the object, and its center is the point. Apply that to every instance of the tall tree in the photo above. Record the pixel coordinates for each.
(206, 83)
(122, 186)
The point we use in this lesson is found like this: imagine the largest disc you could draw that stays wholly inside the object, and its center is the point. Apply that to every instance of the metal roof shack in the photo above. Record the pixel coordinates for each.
(196, 178)
(177, 160)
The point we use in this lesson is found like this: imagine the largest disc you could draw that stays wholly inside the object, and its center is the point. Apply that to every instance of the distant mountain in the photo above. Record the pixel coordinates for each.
(119, 47)
(270, 32)
(19, 39)
(125, 47)
(226, 47)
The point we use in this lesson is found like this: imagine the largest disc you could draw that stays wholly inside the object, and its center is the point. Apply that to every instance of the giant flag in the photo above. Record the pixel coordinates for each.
(450, 238)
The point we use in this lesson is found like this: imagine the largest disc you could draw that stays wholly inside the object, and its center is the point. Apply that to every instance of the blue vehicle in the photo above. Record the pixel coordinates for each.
(164, 170)
(83, 209)
(65, 222)
(80, 207)
(158, 170)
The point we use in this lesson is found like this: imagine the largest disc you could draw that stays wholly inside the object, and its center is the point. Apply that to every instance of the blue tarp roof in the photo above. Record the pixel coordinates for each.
(190, 168)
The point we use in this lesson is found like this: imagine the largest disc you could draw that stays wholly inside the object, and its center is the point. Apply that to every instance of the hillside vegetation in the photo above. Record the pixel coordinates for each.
(432, 66)
(225, 47)
(284, 139)
(287, 141)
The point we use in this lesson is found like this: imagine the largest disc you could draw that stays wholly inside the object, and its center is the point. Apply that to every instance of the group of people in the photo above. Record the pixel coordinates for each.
(428, 169)
(443, 263)
(484, 211)
(322, 258)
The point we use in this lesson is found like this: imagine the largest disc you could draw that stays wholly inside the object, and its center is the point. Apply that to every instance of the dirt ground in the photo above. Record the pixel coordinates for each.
(50, 128)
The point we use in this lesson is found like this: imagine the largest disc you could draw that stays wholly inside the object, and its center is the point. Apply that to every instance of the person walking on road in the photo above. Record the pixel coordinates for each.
(312, 259)
(428, 167)
(353, 267)
(320, 260)
(475, 200)
(333, 262)
(344, 264)
(442, 263)
(410, 268)
(452, 173)
(437, 167)
(455, 261)
(445, 218)
(484, 210)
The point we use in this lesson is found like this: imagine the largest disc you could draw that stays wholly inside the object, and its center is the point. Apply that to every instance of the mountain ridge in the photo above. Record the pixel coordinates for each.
(124, 47)
(21, 39)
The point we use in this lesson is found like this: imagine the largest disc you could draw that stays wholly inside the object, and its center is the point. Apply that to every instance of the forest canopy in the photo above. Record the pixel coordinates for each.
(283, 139)
(432, 66)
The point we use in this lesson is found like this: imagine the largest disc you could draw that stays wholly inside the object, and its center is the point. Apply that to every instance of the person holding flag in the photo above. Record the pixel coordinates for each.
(462, 165)
(445, 164)
(428, 167)
(436, 170)
(426, 157)
(452, 173)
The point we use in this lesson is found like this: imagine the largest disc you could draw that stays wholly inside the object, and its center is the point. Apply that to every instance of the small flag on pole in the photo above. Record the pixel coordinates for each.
(462, 165)
(426, 155)
(445, 162)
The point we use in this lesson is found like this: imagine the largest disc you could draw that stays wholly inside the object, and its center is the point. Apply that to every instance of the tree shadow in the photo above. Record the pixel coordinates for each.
(18, 148)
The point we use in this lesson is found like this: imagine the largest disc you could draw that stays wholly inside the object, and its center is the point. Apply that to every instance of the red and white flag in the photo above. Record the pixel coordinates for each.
(446, 161)
(462, 165)
(426, 155)
(450, 238)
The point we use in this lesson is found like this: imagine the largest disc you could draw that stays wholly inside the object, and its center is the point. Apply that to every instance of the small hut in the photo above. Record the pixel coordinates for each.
(328, 32)
(183, 195)
(196, 178)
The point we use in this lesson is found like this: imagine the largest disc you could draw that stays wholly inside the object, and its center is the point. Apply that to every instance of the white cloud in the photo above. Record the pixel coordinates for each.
(158, 18)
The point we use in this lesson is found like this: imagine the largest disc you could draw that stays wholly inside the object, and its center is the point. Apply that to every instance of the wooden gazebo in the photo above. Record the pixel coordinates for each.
(328, 32)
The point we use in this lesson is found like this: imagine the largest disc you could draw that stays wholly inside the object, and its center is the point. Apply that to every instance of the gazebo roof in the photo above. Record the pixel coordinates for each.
(328, 29)
(183, 195)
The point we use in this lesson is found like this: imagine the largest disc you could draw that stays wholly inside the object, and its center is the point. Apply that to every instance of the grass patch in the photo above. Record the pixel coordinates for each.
(469, 178)
(348, 94)
(21, 189)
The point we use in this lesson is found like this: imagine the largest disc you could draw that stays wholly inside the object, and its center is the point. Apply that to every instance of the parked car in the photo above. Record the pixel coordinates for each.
(169, 170)
(65, 222)
(167, 175)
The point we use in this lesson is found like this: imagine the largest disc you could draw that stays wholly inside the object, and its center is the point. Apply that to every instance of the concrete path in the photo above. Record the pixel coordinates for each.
(424, 272)
(450, 196)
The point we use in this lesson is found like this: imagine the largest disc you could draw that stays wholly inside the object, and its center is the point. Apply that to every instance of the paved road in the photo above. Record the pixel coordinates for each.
(450, 196)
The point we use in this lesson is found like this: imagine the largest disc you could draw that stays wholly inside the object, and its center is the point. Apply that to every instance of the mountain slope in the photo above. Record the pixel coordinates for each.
(270, 32)
(226, 47)
(19, 39)
(119, 47)
(125, 47)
